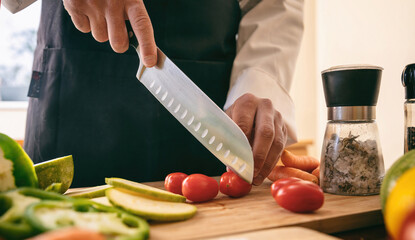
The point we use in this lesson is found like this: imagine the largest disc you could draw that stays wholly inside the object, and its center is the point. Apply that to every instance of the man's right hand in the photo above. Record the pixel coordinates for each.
(106, 20)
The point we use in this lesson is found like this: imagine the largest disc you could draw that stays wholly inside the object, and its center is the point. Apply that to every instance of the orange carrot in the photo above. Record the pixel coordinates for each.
(316, 172)
(305, 163)
(70, 234)
(284, 172)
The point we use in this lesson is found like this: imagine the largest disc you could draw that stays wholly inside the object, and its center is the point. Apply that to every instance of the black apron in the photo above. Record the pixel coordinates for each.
(85, 99)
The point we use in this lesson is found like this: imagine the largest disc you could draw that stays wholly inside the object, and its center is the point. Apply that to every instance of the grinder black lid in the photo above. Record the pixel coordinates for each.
(408, 80)
(352, 85)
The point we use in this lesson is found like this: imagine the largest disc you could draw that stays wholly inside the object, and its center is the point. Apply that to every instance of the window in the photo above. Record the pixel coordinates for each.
(17, 43)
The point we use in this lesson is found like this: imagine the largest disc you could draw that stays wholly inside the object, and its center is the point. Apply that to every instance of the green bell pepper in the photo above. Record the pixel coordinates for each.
(113, 223)
(25, 212)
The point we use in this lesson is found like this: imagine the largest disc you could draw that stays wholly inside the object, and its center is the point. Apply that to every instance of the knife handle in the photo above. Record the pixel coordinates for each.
(134, 43)
(131, 36)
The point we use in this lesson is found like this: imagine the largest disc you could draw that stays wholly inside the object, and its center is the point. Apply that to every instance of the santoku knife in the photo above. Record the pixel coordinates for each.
(196, 112)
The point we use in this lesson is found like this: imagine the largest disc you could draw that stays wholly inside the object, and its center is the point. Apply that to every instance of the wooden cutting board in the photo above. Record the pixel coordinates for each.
(258, 211)
(289, 233)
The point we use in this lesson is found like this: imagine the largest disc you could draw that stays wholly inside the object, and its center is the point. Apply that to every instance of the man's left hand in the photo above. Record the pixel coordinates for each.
(265, 130)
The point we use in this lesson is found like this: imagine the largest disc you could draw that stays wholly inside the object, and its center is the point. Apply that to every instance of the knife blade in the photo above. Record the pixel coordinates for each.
(209, 124)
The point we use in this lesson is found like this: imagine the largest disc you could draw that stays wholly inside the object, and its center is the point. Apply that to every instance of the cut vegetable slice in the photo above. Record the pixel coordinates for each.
(149, 208)
(16, 168)
(145, 190)
(92, 192)
(58, 170)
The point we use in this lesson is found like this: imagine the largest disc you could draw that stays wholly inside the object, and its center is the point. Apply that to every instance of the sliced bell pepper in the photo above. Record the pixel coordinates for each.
(25, 212)
(111, 222)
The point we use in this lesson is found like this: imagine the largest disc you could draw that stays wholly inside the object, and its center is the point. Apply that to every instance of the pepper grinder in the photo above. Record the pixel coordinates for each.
(351, 158)
(408, 81)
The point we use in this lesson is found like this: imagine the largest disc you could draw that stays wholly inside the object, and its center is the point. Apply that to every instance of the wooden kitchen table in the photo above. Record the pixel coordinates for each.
(225, 216)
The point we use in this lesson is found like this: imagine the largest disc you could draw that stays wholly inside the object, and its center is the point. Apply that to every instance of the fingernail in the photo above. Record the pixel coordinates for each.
(150, 60)
(258, 180)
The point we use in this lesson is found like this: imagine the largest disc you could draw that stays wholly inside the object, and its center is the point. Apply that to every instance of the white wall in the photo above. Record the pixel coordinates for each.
(378, 32)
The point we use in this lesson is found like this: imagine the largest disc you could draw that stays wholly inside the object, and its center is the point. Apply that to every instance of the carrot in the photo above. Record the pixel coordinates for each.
(316, 172)
(284, 172)
(69, 234)
(305, 163)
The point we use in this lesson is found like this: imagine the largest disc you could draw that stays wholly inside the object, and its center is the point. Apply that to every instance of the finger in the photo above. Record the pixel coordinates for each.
(243, 114)
(117, 31)
(275, 152)
(264, 133)
(81, 22)
(99, 28)
(141, 24)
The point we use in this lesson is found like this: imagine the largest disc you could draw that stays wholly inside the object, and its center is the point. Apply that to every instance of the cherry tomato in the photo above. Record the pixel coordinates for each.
(282, 182)
(407, 230)
(173, 182)
(200, 188)
(234, 186)
(300, 197)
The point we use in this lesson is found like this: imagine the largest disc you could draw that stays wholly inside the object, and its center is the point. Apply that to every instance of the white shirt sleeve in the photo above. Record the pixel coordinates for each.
(269, 39)
(15, 6)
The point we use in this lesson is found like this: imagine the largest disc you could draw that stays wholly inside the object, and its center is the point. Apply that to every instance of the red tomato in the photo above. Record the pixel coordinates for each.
(173, 182)
(200, 188)
(407, 230)
(234, 186)
(277, 185)
(300, 197)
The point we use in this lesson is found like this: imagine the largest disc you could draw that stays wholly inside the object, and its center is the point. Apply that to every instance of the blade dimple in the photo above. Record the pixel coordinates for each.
(152, 84)
(219, 147)
(184, 114)
(197, 127)
(158, 90)
(191, 120)
(226, 153)
(177, 108)
(205, 133)
(242, 168)
(234, 161)
(212, 139)
(170, 103)
(164, 96)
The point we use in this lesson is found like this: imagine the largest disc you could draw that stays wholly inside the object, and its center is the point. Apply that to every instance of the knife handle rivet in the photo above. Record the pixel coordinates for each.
(177, 108)
(212, 139)
(191, 120)
(205, 133)
(219, 147)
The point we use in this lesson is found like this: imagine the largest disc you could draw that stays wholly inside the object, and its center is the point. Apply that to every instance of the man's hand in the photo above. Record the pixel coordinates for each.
(106, 20)
(265, 130)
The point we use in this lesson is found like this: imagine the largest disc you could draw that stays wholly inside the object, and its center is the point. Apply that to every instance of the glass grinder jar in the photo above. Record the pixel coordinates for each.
(351, 159)
(408, 81)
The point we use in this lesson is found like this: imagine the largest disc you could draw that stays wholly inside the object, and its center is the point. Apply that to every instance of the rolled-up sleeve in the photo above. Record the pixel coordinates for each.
(15, 6)
(269, 39)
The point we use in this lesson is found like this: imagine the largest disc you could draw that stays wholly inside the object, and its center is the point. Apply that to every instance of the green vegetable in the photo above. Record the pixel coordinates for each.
(16, 168)
(25, 212)
(398, 168)
(115, 224)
